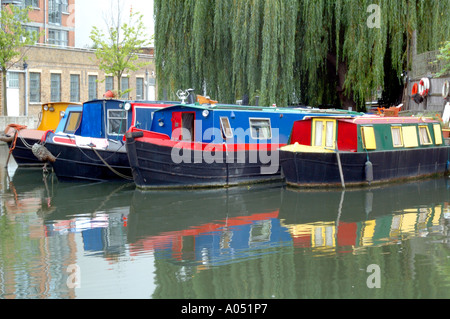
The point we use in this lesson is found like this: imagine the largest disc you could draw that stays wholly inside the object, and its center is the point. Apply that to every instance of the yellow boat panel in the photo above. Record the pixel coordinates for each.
(51, 115)
(297, 148)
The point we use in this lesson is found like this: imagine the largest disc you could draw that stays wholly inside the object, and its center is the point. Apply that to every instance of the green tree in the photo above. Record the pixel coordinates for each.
(444, 55)
(13, 37)
(117, 51)
(314, 51)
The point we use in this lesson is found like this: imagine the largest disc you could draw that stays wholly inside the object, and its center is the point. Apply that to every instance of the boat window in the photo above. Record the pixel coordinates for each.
(329, 136)
(324, 133)
(424, 134)
(73, 122)
(437, 134)
(410, 136)
(227, 131)
(318, 133)
(368, 137)
(397, 139)
(117, 122)
(260, 128)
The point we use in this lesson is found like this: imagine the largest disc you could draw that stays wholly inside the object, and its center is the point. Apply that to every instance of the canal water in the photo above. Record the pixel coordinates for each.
(109, 240)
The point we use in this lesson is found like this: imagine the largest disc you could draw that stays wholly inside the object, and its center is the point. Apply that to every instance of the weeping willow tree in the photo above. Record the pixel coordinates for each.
(317, 52)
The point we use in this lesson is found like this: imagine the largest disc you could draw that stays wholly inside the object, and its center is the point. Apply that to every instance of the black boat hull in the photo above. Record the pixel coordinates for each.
(84, 164)
(322, 169)
(153, 166)
(23, 155)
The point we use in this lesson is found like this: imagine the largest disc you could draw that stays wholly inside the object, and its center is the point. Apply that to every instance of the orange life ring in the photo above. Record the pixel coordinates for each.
(415, 89)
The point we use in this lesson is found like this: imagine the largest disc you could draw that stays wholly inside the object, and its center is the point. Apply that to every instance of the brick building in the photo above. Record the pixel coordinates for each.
(54, 70)
(54, 18)
(70, 74)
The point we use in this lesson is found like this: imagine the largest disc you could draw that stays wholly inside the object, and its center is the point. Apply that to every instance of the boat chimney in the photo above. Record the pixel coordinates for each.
(191, 96)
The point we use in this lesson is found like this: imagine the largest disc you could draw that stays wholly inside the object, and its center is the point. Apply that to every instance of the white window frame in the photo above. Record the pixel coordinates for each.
(108, 129)
(226, 128)
(260, 119)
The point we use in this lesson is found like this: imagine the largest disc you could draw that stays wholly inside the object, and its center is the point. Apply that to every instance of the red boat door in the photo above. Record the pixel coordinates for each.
(183, 126)
(176, 126)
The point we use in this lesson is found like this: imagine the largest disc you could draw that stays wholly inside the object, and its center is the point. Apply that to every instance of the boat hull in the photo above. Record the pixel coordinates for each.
(23, 155)
(305, 169)
(153, 166)
(84, 164)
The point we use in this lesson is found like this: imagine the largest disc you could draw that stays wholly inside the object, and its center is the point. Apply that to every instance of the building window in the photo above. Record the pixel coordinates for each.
(54, 11)
(92, 87)
(109, 83)
(139, 88)
(32, 3)
(13, 80)
(58, 37)
(124, 87)
(35, 87)
(74, 88)
(33, 31)
(64, 6)
(55, 87)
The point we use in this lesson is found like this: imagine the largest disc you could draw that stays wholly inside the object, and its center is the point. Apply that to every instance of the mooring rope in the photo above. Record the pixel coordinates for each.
(111, 168)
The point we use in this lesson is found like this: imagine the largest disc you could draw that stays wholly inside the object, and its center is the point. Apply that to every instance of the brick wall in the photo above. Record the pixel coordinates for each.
(46, 60)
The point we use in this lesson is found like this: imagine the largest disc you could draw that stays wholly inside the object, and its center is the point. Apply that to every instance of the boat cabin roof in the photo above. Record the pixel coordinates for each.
(51, 114)
(367, 132)
(110, 118)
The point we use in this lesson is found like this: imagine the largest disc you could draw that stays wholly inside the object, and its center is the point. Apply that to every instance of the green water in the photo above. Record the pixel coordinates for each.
(109, 240)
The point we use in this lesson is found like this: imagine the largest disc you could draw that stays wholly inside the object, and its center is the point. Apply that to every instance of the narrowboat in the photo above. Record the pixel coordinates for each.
(212, 145)
(341, 151)
(94, 150)
(20, 139)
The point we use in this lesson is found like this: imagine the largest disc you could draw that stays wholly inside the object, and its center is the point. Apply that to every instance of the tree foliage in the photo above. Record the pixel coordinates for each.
(13, 37)
(117, 51)
(444, 55)
(286, 51)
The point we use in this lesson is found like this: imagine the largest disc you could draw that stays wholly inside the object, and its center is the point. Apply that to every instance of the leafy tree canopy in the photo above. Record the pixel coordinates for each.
(117, 51)
(13, 37)
(316, 52)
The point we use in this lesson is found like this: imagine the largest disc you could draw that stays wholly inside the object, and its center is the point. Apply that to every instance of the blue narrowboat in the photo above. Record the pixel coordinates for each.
(92, 149)
(212, 145)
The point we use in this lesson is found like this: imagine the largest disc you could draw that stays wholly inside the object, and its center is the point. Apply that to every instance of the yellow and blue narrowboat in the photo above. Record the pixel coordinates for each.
(21, 139)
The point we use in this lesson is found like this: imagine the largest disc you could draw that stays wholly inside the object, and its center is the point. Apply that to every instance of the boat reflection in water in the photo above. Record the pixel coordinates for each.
(220, 226)
(217, 227)
(168, 244)
(377, 216)
(209, 227)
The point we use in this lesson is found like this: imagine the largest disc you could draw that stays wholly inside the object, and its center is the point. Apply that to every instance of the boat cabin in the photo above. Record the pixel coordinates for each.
(110, 119)
(229, 123)
(70, 120)
(51, 114)
(367, 133)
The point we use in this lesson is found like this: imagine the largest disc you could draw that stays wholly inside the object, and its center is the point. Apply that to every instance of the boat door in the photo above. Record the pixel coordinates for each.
(183, 126)
(324, 133)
